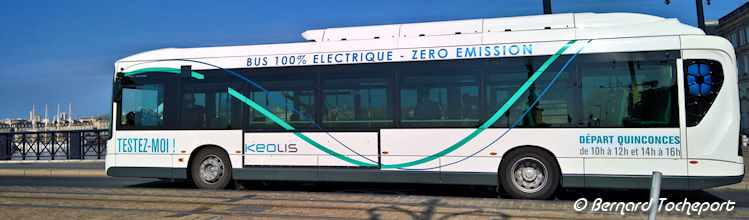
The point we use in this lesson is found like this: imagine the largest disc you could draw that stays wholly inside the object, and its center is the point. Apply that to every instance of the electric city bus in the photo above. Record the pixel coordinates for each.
(529, 104)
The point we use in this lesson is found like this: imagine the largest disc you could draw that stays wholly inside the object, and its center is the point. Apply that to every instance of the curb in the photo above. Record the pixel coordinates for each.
(52, 161)
(55, 172)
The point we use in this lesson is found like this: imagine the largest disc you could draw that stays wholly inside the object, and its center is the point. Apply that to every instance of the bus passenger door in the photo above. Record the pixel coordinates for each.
(145, 109)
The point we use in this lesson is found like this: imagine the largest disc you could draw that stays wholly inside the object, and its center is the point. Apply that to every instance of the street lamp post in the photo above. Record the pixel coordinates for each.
(700, 15)
(547, 6)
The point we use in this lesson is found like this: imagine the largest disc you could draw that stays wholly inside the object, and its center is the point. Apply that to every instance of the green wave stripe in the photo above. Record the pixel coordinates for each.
(197, 75)
(333, 153)
(525, 86)
(193, 74)
(502, 110)
(259, 108)
(491, 120)
(288, 127)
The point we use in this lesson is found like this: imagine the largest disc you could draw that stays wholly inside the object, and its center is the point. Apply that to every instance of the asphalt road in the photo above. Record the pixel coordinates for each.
(107, 197)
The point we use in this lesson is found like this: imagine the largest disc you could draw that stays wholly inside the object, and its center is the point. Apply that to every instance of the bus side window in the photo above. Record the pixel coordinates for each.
(206, 103)
(629, 90)
(505, 76)
(356, 97)
(290, 98)
(440, 94)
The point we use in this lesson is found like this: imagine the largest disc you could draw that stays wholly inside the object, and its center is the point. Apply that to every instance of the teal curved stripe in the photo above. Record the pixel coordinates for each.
(197, 75)
(333, 153)
(491, 120)
(438, 154)
(502, 110)
(259, 108)
(525, 86)
(193, 74)
(288, 127)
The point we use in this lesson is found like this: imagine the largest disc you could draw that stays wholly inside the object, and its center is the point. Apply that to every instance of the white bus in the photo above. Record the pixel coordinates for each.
(529, 104)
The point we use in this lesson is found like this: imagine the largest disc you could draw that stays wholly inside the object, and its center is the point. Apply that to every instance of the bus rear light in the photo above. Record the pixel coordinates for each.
(693, 162)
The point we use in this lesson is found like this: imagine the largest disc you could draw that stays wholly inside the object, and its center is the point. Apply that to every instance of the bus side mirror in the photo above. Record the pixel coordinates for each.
(117, 88)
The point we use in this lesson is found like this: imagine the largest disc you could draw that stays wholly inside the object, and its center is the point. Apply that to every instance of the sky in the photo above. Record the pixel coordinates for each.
(60, 52)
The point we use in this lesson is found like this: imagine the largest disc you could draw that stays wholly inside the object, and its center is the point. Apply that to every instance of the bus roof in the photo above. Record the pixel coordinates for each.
(536, 28)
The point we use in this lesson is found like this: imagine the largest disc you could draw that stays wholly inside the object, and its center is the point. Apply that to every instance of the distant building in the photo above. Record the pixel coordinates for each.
(735, 27)
(85, 123)
(4, 126)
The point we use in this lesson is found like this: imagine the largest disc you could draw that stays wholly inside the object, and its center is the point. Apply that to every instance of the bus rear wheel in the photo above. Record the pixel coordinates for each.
(211, 169)
(529, 173)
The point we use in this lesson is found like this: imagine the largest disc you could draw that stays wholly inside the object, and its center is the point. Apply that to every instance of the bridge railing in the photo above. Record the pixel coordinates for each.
(54, 145)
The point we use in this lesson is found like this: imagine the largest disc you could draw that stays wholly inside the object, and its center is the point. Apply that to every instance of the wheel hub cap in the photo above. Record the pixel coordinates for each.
(529, 175)
(211, 169)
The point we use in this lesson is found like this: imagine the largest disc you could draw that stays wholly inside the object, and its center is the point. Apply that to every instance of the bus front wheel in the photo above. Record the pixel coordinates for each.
(529, 173)
(211, 169)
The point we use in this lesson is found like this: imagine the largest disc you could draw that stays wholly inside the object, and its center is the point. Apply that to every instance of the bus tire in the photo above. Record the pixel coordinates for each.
(529, 173)
(211, 169)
